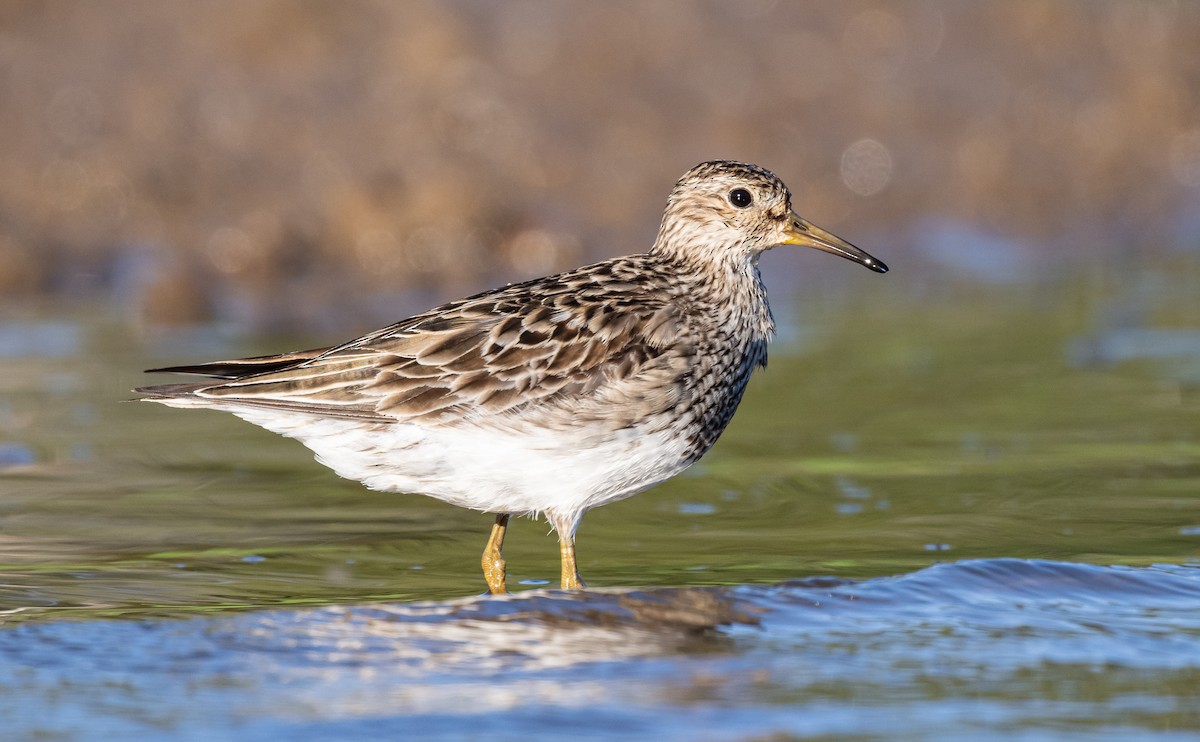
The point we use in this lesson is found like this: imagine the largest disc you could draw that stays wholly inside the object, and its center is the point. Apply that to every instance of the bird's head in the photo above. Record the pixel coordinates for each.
(724, 210)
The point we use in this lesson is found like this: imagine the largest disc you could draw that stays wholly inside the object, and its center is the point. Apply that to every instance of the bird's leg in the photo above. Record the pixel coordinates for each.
(493, 559)
(570, 573)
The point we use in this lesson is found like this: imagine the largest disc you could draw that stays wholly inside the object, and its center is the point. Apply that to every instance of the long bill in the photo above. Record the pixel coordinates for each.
(800, 231)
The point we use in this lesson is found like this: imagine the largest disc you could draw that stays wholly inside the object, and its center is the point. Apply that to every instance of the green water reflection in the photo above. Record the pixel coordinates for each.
(916, 422)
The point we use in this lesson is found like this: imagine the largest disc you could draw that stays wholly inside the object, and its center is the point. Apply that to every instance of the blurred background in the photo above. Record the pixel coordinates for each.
(312, 167)
(991, 445)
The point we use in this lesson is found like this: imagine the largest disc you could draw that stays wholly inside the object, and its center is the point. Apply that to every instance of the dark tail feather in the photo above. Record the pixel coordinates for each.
(240, 367)
(170, 390)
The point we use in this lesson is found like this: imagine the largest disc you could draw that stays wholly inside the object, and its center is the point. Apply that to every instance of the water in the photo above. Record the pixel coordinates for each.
(948, 509)
(948, 652)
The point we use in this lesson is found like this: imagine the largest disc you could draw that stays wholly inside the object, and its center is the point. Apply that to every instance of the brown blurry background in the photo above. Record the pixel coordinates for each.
(279, 164)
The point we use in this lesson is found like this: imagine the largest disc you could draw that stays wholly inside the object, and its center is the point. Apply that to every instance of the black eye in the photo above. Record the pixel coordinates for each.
(740, 198)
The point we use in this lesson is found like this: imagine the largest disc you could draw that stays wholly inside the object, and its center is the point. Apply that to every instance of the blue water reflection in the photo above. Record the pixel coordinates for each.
(818, 656)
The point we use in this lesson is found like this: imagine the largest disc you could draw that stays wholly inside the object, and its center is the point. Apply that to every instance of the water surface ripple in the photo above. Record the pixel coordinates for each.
(980, 647)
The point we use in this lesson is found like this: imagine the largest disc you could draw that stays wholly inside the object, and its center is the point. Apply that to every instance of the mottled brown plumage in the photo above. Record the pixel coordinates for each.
(590, 385)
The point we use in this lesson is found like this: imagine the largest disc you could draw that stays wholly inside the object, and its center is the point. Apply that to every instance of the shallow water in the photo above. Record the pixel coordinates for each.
(948, 652)
(948, 508)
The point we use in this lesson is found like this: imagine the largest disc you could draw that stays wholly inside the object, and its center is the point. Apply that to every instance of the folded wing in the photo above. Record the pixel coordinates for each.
(552, 342)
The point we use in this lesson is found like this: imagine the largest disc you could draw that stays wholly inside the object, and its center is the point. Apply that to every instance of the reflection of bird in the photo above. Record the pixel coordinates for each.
(555, 395)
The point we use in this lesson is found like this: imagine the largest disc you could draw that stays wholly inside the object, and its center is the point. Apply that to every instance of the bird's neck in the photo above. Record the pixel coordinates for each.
(695, 248)
(729, 284)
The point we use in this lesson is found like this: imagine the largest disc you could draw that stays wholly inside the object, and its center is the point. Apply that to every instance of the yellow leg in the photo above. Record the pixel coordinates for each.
(493, 559)
(570, 572)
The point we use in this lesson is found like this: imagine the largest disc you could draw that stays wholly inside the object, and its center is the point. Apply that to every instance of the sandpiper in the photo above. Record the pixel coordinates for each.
(552, 396)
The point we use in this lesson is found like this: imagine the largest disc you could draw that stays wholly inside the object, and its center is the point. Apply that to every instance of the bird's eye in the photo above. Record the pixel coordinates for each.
(740, 198)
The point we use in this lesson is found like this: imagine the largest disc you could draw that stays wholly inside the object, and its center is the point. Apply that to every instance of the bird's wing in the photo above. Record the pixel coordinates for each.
(556, 340)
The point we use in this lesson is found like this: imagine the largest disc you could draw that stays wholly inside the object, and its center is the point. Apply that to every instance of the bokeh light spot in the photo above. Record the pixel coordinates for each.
(866, 167)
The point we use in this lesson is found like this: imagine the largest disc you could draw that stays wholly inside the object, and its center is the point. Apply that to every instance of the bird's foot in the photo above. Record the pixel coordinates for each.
(495, 572)
(495, 569)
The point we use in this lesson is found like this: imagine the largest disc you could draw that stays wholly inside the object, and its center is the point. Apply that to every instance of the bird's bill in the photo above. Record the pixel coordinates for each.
(800, 231)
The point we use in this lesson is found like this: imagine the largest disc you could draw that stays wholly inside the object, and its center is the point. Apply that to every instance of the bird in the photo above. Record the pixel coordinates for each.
(551, 396)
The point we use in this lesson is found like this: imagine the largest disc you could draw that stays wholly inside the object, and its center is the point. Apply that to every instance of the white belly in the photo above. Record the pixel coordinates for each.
(485, 468)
